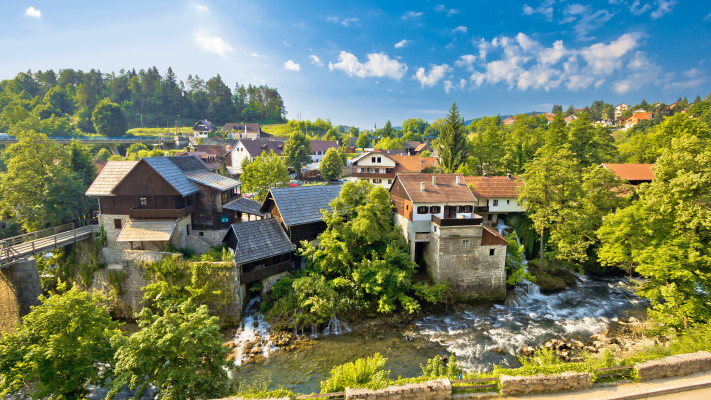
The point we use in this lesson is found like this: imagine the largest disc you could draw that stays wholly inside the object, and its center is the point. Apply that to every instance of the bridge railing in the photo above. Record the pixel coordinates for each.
(12, 241)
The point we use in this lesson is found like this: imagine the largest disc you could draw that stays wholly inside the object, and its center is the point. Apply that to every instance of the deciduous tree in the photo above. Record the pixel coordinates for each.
(332, 164)
(297, 151)
(265, 172)
(109, 119)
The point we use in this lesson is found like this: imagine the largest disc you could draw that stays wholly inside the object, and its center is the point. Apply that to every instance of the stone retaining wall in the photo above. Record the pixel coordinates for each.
(522, 385)
(679, 365)
(439, 389)
(19, 289)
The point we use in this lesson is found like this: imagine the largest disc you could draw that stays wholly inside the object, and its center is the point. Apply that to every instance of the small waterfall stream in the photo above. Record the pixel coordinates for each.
(253, 332)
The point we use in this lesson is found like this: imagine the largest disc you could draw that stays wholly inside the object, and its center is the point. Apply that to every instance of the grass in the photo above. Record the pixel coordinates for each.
(278, 130)
(158, 131)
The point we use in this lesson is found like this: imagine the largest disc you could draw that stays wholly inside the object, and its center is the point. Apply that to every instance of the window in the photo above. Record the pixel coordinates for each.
(224, 219)
(488, 217)
(372, 159)
(187, 229)
(435, 209)
(508, 201)
(464, 209)
(492, 252)
(379, 160)
(465, 243)
(422, 210)
(143, 201)
(390, 181)
(496, 203)
(117, 223)
(202, 233)
(377, 180)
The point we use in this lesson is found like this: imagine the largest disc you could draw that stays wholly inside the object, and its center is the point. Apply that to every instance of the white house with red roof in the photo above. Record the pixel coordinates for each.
(496, 196)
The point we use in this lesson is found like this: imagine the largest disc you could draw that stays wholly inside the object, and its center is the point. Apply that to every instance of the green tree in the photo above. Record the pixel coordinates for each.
(263, 173)
(180, 352)
(102, 155)
(82, 162)
(39, 188)
(55, 351)
(666, 235)
(297, 151)
(557, 133)
(387, 143)
(109, 119)
(332, 164)
(363, 140)
(452, 140)
(388, 130)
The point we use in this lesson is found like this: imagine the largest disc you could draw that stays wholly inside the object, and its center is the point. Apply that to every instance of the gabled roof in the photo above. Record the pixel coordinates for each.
(413, 163)
(490, 236)
(412, 144)
(302, 204)
(146, 231)
(214, 149)
(244, 205)
(204, 124)
(394, 152)
(631, 172)
(493, 186)
(641, 116)
(109, 177)
(172, 174)
(255, 147)
(213, 180)
(257, 240)
(445, 191)
(368, 153)
(323, 145)
(422, 147)
(239, 127)
(188, 163)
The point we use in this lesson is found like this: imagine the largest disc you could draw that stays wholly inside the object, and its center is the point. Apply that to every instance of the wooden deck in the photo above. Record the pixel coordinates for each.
(18, 248)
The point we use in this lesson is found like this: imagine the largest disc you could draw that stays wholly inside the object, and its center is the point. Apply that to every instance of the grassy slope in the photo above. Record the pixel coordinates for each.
(278, 130)
(158, 131)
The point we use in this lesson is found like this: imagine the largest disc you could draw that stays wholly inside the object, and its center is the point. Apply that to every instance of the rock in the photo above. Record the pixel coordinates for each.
(615, 348)
(590, 349)
(577, 344)
(497, 350)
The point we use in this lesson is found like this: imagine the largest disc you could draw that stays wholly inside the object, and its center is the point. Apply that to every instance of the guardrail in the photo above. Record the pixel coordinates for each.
(12, 241)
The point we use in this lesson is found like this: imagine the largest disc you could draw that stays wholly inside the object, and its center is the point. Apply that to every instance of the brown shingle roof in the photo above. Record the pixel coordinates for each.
(323, 145)
(146, 231)
(255, 147)
(445, 191)
(632, 172)
(413, 163)
(421, 147)
(110, 176)
(493, 186)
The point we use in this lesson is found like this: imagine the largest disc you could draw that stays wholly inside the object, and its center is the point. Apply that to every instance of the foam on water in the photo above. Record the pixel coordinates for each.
(253, 327)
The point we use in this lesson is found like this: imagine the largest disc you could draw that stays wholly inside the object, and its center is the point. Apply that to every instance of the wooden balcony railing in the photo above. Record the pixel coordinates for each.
(456, 221)
(259, 274)
(162, 212)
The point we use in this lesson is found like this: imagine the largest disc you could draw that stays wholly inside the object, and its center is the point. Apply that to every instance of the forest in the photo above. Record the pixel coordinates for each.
(71, 102)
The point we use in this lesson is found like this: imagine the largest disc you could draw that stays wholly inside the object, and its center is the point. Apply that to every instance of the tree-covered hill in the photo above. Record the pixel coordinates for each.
(65, 103)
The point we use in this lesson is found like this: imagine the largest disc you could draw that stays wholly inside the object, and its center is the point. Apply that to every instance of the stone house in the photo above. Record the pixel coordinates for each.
(436, 213)
(496, 196)
(156, 201)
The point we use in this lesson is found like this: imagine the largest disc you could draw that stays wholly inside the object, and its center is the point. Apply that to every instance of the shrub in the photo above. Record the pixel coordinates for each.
(435, 368)
(366, 373)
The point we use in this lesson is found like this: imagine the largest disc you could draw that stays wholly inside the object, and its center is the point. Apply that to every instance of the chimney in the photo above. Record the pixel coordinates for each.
(508, 175)
(459, 180)
(422, 186)
(434, 180)
(485, 174)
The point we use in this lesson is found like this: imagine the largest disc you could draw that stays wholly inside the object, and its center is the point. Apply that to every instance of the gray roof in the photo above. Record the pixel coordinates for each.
(260, 239)
(213, 180)
(303, 204)
(172, 174)
(110, 176)
(188, 163)
(255, 147)
(323, 145)
(244, 205)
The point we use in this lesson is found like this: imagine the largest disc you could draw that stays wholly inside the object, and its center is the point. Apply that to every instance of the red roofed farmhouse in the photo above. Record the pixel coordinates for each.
(496, 196)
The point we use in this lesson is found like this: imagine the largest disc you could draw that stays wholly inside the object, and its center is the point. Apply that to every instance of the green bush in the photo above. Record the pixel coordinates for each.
(434, 293)
(260, 390)
(435, 368)
(369, 373)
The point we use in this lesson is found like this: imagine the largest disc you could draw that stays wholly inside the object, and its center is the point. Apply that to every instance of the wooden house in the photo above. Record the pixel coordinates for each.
(299, 209)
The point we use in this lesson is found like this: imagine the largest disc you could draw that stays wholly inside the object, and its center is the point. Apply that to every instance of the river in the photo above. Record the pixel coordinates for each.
(480, 336)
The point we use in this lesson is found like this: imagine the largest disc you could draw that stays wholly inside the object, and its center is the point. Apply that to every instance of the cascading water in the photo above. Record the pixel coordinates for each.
(253, 331)
(336, 327)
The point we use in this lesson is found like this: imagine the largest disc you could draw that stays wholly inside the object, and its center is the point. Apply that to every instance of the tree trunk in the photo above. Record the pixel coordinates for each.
(540, 266)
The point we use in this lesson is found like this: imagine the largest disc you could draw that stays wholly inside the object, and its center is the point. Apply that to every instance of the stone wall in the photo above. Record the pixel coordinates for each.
(679, 365)
(267, 283)
(523, 385)
(439, 389)
(455, 255)
(213, 237)
(19, 289)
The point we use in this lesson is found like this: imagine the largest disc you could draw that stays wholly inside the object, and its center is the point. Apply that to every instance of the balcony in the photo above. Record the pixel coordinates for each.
(160, 213)
(476, 220)
(481, 209)
(262, 273)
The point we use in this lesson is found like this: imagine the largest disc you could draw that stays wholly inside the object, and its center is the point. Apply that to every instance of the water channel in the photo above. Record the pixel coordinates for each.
(480, 336)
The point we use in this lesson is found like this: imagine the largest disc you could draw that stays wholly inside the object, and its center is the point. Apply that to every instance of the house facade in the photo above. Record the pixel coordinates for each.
(320, 147)
(620, 109)
(496, 196)
(242, 130)
(203, 128)
(637, 117)
(250, 149)
(446, 236)
(375, 167)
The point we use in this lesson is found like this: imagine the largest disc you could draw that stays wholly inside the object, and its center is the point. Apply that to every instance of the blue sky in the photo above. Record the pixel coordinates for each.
(364, 62)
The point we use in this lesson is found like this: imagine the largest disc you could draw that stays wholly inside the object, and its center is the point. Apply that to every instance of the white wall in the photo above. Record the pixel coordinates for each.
(238, 154)
(384, 182)
(428, 216)
(505, 205)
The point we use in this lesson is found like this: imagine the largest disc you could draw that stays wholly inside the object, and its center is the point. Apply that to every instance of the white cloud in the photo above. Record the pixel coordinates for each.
(665, 6)
(344, 21)
(693, 78)
(412, 14)
(316, 60)
(605, 58)
(201, 8)
(257, 55)
(637, 9)
(213, 44)
(436, 74)
(585, 19)
(545, 9)
(402, 43)
(292, 66)
(440, 8)
(465, 61)
(460, 29)
(33, 12)
(378, 65)
(447, 86)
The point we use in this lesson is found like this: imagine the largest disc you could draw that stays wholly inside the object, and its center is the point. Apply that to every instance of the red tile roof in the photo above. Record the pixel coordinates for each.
(445, 190)
(493, 186)
(632, 172)
(413, 163)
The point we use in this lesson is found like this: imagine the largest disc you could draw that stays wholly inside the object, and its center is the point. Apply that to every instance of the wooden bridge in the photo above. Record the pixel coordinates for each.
(18, 248)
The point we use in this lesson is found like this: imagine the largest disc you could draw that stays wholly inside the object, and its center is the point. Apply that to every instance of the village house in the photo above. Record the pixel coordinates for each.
(635, 174)
(421, 148)
(620, 109)
(242, 130)
(444, 235)
(375, 167)
(245, 209)
(319, 149)
(509, 121)
(298, 209)
(250, 149)
(156, 201)
(496, 196)
(203, 128)
(637, 117)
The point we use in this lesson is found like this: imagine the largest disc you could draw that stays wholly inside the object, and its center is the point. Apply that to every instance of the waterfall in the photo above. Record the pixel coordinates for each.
(254, 332)
(336, 327)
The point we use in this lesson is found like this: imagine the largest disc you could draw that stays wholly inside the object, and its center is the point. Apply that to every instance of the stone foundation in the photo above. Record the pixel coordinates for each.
(439, 389)
(679, 365)
(523, 385)
(19, 289)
